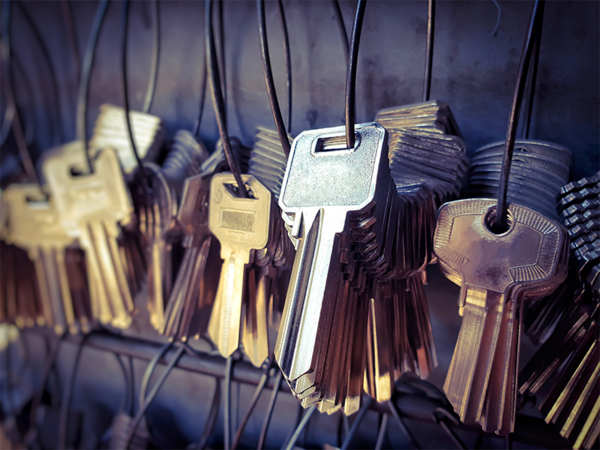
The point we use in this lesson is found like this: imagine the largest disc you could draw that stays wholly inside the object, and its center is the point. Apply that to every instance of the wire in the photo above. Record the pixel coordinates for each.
(221, 18)
(401, 423)
(63, 422)
(124, 90)
(202, 97)
(155, 59)
(150, 370)
(126, 404)
(240, 431)
(227, 409)
(30, 124)
(429, 51)
(84, 85)
(212, 416)
(341, 27)
(56, 137)
(268, 73)
(351, 73)
(298, 431)
(217, 97)
(359, 418)
(382, 431)
(288, 62)
(140, 414)
(67, 11)
(532, 78)
(11, 100)
(500, 222)
(269, 414)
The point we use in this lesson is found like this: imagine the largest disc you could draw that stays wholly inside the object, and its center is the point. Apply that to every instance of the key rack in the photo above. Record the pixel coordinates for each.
(172, 90)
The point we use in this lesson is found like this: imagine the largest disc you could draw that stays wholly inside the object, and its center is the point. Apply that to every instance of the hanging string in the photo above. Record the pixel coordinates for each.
(268, 73)
(429, 51)
(532, 78)
(57, 136)
(500, 222)
(124, 89)
(351, 73)
(155, 59)
(67, 12)
(63, 422)
(269, 414)
(288, 62)
(11, 100)
(84, 85)
(341, 27)
(217, 98)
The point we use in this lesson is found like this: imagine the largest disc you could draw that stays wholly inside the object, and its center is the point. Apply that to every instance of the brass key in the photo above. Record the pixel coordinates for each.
(496, 273)
(243, 226)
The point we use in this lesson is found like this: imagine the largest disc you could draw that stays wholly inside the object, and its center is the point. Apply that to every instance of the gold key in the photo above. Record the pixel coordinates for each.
(92, 208)
(496, 272)
(243, 226)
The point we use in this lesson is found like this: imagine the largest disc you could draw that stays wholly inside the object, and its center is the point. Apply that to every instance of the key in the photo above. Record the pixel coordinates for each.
(92, 208)
(35, 227)
(497, 272)
(242, 226)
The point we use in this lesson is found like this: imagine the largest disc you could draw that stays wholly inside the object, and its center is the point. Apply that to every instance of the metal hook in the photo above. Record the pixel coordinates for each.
(429, 50)
(84, 85)
(500, 222)
(268, 73)
(351, 73)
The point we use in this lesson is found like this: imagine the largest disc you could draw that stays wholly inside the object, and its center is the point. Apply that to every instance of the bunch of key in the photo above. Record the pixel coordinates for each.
(538, 170)
(111, 131)
(341, 210)
(428, 165)
(157, 203)
(34, 225)
(498, 274)
(565, 370)
(93, 208)
(191, 299)
(256, 254)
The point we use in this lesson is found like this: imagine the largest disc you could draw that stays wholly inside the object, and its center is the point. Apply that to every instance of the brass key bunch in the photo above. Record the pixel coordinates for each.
(566, 368)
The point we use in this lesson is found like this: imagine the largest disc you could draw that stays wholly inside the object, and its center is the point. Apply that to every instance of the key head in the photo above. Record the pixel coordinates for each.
(321, 172)
(234, 220)
(33, 220)
(102, 195)
(529, 255)
(193, 210)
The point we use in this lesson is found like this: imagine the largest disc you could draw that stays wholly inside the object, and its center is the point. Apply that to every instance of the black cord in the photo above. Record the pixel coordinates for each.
(212, 416)
(11, 100)
(401, 424)
(269, 414)
(227, 409)
(202, 97)
(292, 442)
(359, 418)
(288, 62)
(63, 422)
(124, 89)
(67, 12)
(150, 398)
(84, 85)
(217, 97)
(351, 73)
(532, 78)
(221, 18)
(240, 431)
(155, 59)
(429, 51)
(341, 27)
(500, 222)
(57, 136)
(268, 73)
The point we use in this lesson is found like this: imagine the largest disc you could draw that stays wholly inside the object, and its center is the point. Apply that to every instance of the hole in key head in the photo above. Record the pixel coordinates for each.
(490, 222)
(335, 143)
